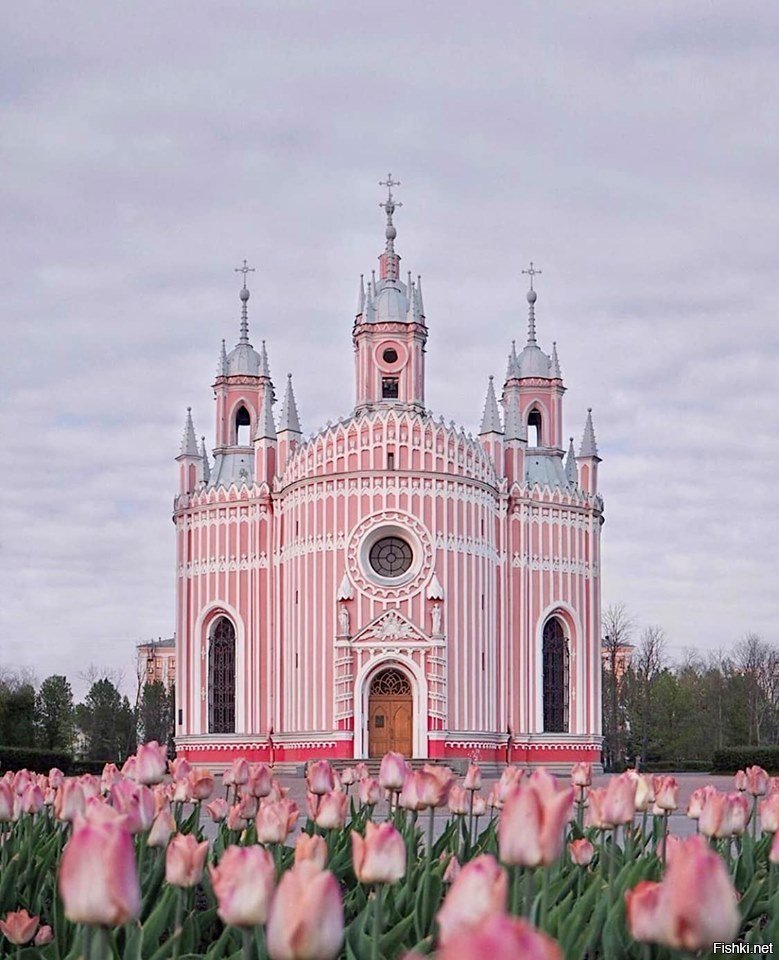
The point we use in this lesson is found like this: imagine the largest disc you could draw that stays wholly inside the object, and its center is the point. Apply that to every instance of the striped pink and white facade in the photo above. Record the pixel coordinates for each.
(276, 537)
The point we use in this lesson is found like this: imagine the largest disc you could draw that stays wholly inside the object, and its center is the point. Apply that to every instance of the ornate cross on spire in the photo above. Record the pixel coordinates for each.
(389, 183)
(246, 269)
(389, 259)
(532, 272)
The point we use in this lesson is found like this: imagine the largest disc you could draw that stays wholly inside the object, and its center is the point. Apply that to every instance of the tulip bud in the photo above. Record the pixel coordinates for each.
(479, 805)
(329, 811)
(479, 891)
(31, 801)
(320, 777)
(98, 878)
(243, 884)
(501, 937)
(162, 829)
(184, 860)
(217, 809)
(237, 773)
(306, 918)
(392, 771)
(69, 802)
(56, 777)
(348, 776)
(361, 771)
(109, 777)
(581, 774)
(369, 791)
(666, 793)
(769, 813)
(6, 802)
(758, 781)
(740, 780)
(532, 824)
(200, 784)
(472, 778)
(508, 779)
(311, 847)
(150, 763)
(43, 936)
(19, 927)
(260, 782)
(379, 857)
(235, 819)
(459, 801)
(180, 768)
(581, 851)
(453, 869)
(275, 819)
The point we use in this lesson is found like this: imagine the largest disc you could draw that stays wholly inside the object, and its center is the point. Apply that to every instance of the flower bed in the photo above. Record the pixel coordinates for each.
(118, 866)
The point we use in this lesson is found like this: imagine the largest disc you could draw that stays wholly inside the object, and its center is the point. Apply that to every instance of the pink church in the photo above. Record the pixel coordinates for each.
(390, 583)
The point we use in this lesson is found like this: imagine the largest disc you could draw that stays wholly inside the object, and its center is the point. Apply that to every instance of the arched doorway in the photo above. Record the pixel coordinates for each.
(556, 659)
(390, 712)
(221, 678)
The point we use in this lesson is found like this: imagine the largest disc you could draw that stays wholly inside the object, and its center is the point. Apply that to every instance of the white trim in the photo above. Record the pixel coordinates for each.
(362, 686)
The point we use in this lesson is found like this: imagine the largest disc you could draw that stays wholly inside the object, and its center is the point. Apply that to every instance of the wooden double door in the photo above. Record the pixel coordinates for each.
(390, 714)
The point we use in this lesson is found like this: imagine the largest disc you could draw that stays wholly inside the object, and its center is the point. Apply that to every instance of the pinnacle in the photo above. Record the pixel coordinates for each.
(490, 421)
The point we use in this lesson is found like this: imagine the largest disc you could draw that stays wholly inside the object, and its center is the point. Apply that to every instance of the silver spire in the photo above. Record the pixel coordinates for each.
(389, 205)
(206, 463)
(264, 370)
(189, 441)
(554, 364)
(515, 426)
(361, 296)
(512, 366)
(221, 368)
(490, 421)
(419, 296)
(571, 470)
(532, 296)
(244, 295)
(288, 418)
(589, 446)
(266, 428)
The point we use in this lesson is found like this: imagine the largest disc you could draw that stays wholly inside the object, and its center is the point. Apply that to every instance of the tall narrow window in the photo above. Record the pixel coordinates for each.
(389, 388)
(534, 428)
(556, 677)
(221, 678)
(390, 461)
(243, 423)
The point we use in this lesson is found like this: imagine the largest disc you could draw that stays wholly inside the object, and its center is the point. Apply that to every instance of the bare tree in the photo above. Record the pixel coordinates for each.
(617, 627)
(93, 673)
(758, 662)
(648, 663)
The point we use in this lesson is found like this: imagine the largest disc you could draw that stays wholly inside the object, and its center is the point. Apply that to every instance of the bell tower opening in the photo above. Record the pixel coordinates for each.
(390, 388)
(534, 428)
(243, 424)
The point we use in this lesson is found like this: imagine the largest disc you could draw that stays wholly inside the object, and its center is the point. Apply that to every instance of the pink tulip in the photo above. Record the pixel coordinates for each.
(69, 802)
(181, 791)
(408, 798)
(237, 774)
(243, 884)
(184, 860)
(329, 811)
(277, 792)
(379, 857)
(737, 809)
(773, 785)
(501, 937)
(128, 768)
(275, 819)
(619, 801)
(21, 780)
(361, 770)
(180, 768)
(459, 800)
(431, 790)
(136, 803)
(581, 774)
(479, 805)
(348, 776)
(666, 793)
(109, 777)
(235, 819)
(758, 781)
(510, 777)
(43, 936)
(444, 776)
(98, 878)
(581, 851)
(150, 763)
(698, 800)
(392, 771)
(320, 777)
(769, 813)
(740, 780)
(200, 784)
(31, 801)
(97, 810)
(369, 791)
(249, 806)
(473, 777)
(19, 927)
(306, 918)
(693, 907)
(479, 891)
(260, 782)
(313, 848)
(56, 778)
(712, 814)
(91, 785)
(532, 824)
(453, 869)
(217, 809)
(645, 791)
(493, 798)
(162, 829)
(6, 802)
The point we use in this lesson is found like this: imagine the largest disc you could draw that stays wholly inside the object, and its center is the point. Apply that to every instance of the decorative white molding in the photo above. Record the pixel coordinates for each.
(555, 564)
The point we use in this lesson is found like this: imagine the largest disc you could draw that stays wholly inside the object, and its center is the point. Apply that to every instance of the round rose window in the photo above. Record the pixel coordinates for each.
(390, 557)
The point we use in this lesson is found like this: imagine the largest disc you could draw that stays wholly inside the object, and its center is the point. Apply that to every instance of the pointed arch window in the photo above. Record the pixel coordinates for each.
(556, 661)
(534, 428)
(221, 677)
(243, 424)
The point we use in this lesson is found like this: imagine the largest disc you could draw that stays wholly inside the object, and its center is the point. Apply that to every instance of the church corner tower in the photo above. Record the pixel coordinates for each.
(389, 583)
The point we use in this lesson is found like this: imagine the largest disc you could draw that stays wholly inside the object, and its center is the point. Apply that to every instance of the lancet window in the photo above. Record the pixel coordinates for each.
(221, 678)
(556, 663)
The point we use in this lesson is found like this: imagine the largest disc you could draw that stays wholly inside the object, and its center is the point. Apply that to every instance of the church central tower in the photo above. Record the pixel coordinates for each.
(389, 331)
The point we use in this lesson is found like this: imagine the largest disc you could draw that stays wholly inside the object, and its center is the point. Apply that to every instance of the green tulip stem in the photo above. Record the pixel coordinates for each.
(377, 918)
(428, 863)
(178, 922)
(247, 951)
(470, 822)
(530, 891)
(98, 946)
(754, 819)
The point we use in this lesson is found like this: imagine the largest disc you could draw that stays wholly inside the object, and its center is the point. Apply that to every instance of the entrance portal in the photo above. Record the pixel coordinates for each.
(389, 714)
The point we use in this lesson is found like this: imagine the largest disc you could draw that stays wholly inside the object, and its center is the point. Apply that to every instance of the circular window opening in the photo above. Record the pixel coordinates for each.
(390, 557)
(390, 355)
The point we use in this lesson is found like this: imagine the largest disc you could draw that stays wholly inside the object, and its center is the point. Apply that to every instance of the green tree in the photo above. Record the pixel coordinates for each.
(17, 712)
(55, 714)
(107, 722)
(155, 719)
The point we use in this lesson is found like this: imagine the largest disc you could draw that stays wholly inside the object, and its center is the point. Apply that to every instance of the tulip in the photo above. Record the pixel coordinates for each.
(243, 884)
(532, 823)
(736, 818)
(181, 791)
(237, 774)
(184, 860)
(693, 907)
(581, 851)
(19, 927)
(666, 793)
(306, 917)
(98, 878)
(180, 768)
(769, 813)
(330, 810)
(162, 829)
(21, 780)
(128, 768)
(619, 801)
(31, 801)
(277, 792)
(493, 798)
(758, 781)
(249, 806)
(508, 779)
(311, 847)
(369, 791)
(698, 800)
(431, 790)
(56, 777)
(459, 801)
(150, 763)
(379, 857)
(135, 802)
(109, 777)
(453, 869)
(69, 802)
(92, 786)
(392, 771)
(235, 819)
(6, 802)
(98, 811)
(320, 777)
(200, 784)
(361, 771)
(581, 774)
(645, 791)
(43, 936)
(501, 937)
(348, 776)
(408, 798)
(479, 806)
(275, 819)
(443, 776)
(260, 782)
(472, 777)
(712, 814)
(481, 889)
(217, 809)
(740, 780)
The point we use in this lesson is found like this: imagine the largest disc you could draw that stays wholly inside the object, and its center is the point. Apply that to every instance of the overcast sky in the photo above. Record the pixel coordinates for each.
(631, 150)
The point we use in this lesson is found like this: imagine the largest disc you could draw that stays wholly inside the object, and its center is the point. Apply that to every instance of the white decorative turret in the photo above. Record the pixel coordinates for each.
(288, 418)
(206, 461)
(571, 470)
(490, 421)
(589, 446)
(188, 440)
(588, 458)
